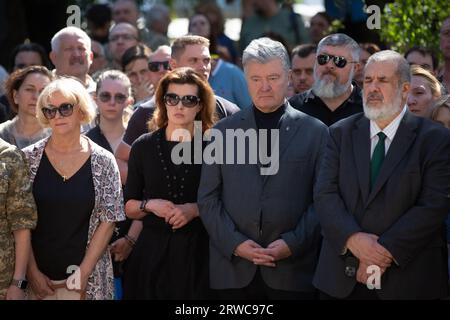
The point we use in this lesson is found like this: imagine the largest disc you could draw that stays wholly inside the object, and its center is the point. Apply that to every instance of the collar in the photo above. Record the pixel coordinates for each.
(390, 129)
(217, 67)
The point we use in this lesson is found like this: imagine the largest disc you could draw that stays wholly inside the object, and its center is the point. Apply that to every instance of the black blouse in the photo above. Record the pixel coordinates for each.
(153, 175)
(64, 210)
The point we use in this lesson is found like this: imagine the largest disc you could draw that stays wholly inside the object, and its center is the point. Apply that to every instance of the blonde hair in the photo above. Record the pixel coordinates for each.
(442, 102)
(434, 83)
(71, 89)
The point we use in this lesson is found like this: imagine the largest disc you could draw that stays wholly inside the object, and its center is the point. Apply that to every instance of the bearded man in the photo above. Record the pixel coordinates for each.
(382, 196)
(333, 96)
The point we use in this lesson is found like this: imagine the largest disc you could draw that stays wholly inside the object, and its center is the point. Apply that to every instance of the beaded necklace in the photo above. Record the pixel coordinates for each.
(175, 179)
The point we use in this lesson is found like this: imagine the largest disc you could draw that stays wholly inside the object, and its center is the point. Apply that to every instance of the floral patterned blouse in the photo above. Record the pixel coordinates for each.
(108, 208)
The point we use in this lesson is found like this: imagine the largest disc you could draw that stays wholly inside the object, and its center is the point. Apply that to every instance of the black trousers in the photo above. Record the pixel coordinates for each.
(360, 292)
(259, 290)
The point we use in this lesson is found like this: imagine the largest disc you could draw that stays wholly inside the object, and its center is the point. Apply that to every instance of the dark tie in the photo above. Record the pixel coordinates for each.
(377, 159)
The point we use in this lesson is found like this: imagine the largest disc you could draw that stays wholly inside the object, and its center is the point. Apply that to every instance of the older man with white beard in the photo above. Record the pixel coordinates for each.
(382, 196)
(333, 96)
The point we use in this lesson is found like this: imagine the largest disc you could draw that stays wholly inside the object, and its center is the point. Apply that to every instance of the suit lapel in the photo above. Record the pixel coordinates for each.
(403, 139)
(361, 153)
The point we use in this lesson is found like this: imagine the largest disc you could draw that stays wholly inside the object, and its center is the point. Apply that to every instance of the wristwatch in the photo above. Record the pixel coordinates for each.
(142, 206)
(21, 284)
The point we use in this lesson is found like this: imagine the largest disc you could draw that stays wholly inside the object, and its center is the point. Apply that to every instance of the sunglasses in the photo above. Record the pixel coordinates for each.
(338, 61)
(118, 97)
(65, 110)
(154, 66)
(187, 101)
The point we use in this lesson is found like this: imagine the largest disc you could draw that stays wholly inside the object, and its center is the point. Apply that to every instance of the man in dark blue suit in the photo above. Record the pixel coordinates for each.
(383, 194)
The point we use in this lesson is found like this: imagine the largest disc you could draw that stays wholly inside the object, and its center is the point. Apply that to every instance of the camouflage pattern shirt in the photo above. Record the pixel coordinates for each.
(17, 207)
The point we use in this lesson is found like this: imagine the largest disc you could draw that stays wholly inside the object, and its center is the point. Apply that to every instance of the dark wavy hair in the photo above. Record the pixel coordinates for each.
(205, 93)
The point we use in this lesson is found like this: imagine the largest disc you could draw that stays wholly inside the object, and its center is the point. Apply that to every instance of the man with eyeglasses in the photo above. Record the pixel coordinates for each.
(158, 64)
(333, 96)
(122, 36)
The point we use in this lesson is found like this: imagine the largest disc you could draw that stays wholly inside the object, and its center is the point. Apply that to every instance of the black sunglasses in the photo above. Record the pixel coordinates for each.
(154, 66)
(188, 101)
(65, 110)
(338, 61)
(106, 97)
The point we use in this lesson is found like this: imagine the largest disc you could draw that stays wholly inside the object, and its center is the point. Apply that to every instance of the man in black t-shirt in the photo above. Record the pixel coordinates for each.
(187, 51)
(333, 96)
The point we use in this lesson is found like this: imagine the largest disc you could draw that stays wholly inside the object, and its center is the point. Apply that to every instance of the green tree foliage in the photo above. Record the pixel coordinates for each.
(406, 23)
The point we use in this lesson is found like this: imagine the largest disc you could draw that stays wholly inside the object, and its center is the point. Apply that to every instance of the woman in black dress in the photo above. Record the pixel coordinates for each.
(170, 259)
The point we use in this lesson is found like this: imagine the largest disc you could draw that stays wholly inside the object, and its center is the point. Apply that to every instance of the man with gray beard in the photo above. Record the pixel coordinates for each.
(383, 195)
(333, 96)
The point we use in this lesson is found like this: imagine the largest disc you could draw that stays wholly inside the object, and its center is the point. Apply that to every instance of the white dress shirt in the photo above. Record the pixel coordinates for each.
(389, 131)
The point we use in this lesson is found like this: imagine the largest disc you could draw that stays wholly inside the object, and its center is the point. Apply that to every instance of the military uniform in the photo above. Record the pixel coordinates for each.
(17, 208)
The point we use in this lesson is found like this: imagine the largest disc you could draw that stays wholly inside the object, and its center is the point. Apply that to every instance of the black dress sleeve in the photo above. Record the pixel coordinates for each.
(134, 186)
(137, 125)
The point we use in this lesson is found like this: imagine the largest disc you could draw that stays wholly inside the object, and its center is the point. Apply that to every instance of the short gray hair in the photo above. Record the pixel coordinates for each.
(403, 69)
(73, 31)
(263, 50)
(341, 40)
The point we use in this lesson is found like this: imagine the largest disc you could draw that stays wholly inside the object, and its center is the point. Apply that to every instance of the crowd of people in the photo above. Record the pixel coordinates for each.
(94, 206)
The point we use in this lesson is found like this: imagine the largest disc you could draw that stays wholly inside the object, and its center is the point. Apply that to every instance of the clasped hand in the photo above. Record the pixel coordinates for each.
(177, 215)
(252, 251)
(366, 248)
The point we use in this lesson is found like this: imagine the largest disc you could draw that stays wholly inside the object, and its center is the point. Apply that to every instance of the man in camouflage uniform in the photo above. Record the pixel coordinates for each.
(17, 216)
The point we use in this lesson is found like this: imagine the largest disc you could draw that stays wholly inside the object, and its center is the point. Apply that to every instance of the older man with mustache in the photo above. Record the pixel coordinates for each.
(72, 56)
(382, 196)
(333, 96)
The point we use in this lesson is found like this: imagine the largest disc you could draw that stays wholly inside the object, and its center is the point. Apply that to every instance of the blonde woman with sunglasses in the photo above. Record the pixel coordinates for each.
(76, 186)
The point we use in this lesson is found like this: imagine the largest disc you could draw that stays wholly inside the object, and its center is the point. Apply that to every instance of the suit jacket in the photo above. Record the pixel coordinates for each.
(406, 207)
(237, 203)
